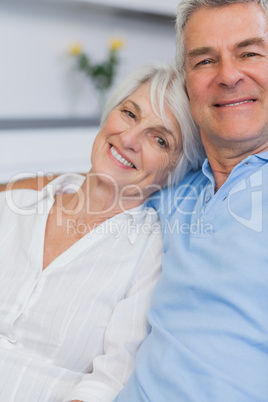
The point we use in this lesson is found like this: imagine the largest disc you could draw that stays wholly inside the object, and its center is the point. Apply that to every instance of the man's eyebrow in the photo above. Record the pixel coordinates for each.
(199, 51)
(250, 41)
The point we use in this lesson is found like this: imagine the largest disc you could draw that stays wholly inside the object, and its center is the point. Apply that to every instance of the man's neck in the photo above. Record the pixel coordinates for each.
(221, 169)
(223, 162)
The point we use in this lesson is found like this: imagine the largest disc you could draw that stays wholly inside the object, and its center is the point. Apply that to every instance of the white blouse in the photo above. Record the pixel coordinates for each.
(71, 331)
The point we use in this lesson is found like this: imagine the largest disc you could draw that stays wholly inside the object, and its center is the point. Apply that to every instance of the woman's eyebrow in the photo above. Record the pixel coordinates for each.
(136, 106)
(164, 130)
(160, 127)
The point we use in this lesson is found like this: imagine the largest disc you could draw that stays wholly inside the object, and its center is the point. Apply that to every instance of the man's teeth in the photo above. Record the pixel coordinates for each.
(238, 103)
(120, 158)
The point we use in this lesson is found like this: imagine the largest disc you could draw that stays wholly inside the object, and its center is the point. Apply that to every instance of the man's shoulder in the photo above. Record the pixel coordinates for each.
(192, 183)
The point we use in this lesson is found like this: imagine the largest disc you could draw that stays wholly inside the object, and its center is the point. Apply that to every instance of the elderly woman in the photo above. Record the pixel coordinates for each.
(79, 259)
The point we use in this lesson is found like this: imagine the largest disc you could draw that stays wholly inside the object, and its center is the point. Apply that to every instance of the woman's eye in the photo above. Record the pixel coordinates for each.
(161, 142)
(129, 114)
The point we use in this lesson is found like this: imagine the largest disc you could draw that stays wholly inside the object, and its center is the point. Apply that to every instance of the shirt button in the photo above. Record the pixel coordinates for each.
(19, 307)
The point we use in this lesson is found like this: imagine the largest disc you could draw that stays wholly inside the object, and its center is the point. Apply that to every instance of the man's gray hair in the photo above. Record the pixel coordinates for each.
(187, 7)
(166, 90)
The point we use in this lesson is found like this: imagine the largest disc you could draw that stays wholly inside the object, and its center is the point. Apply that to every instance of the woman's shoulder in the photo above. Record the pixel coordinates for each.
(31, 183)
(38, 183)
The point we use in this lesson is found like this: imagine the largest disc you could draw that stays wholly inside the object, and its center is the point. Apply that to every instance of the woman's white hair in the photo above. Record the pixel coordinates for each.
(166, 90)
(187, 7)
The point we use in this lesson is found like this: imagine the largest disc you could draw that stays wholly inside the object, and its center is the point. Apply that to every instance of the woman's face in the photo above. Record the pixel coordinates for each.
(134, 148)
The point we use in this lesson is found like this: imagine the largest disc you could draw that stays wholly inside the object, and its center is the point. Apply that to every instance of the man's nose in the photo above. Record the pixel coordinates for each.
(132, 138)
(229, 73)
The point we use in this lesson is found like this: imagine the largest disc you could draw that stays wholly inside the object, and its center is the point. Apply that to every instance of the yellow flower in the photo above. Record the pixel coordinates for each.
(76, 49)
(116, 44)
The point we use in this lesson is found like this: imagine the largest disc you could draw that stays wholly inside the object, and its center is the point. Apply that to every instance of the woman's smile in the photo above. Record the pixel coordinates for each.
(123, 162)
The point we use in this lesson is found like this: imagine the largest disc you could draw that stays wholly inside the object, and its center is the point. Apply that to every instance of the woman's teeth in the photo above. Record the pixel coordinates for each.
(120, 158)
(238, 103)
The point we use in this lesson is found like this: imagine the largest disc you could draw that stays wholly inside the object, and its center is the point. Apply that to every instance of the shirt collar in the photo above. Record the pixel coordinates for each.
(137, 218)
(262, 155)
(261, 158)
(206, 169)
(71, 182)
(65, 183)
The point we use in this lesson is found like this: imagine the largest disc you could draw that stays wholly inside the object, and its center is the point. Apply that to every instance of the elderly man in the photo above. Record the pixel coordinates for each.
(209, 317)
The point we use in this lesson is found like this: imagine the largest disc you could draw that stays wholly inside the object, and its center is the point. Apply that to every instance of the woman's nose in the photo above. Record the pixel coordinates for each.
(229, 73)
(132, 137)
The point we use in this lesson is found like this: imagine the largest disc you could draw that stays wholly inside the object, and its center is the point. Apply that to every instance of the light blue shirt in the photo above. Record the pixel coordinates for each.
(209, 315)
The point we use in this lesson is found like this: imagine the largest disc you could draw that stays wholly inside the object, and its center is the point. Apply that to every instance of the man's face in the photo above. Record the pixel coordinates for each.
(226, 63)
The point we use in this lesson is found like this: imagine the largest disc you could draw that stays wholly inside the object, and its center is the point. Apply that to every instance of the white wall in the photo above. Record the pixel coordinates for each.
(37, 79)
(167, 7)
(25, 153)
(36, 75)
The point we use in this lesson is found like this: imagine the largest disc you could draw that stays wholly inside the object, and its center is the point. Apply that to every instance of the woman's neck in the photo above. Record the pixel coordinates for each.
(95, 201)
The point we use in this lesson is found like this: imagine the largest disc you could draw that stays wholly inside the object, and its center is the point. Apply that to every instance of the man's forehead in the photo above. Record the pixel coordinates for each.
(202, 10)
(236, 23)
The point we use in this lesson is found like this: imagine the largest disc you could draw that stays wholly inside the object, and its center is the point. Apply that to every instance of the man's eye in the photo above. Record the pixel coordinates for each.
(161, 142)
(204, 62)
(250, 54)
